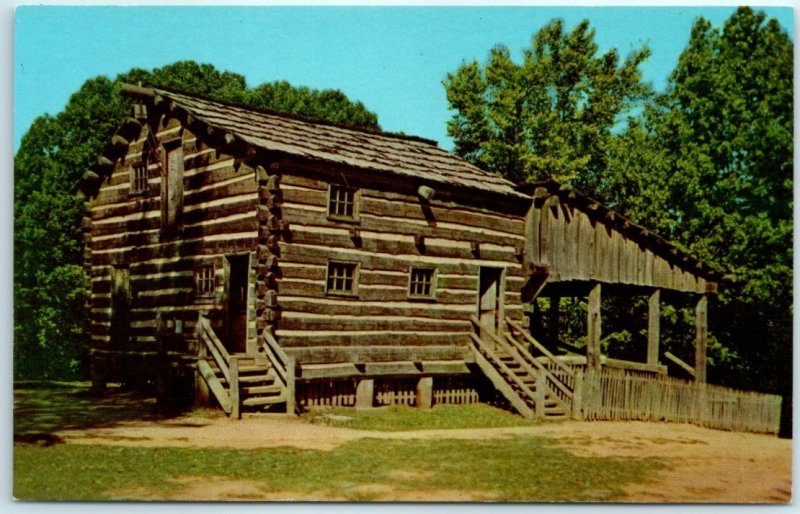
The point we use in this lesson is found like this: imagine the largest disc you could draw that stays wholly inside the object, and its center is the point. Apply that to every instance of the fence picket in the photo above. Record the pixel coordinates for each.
(615, 396)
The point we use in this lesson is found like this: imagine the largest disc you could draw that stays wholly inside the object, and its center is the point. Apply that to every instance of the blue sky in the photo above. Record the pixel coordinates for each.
(392, 59)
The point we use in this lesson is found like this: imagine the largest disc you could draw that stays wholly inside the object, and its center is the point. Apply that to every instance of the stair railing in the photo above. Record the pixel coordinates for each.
(560, 391)
(229, 399)
(561, 371)
(491, 355)
(284, 366)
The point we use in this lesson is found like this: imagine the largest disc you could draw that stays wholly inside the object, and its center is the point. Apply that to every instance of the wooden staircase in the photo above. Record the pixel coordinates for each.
(533, 388)
(244, 382)
(259, 386)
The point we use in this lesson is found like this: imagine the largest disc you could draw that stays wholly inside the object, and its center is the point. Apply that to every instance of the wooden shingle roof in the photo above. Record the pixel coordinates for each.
(406, 156)
(415, 158)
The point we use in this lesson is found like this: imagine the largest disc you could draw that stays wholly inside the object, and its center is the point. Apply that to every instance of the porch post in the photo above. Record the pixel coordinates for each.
(425, 393)
(552, 325)
(365, 393)
(593, 330)
(653, 327)
(291, 389)
(701, 336)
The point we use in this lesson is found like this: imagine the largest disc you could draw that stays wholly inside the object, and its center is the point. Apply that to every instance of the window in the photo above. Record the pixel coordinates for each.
(139, 177)
(204, 280)
(342, 202)
(342, 278)
(421, 283)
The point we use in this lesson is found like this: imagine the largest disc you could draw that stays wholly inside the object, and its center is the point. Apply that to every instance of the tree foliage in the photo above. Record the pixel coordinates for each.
(713, 155)
(706, 163)
(49, 282)
(550, 116)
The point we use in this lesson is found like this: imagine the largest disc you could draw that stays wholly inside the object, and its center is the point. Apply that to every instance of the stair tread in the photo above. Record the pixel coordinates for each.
(274, 388)
(262, 400)
(242, 369)
(250, 379)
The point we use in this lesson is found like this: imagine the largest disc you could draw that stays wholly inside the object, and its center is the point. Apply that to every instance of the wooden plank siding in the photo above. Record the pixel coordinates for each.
(381, 322)
(576, 246)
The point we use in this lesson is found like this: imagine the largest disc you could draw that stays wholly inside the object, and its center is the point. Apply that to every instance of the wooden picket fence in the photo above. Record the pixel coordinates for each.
(617, 397)
(454, 390)
(327, 393)
(396, 392)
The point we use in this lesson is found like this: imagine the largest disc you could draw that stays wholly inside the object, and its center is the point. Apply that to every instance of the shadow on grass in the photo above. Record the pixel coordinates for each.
(516, 469)
(41, 408)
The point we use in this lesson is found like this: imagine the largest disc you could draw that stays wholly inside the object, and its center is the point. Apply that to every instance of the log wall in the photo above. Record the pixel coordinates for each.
(125, 230)
(380, 322)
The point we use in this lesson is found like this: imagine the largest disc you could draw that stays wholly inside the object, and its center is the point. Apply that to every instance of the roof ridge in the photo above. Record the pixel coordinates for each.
(299, 117)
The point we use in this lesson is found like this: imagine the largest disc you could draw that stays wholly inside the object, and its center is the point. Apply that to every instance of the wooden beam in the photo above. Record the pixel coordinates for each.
(291, 377)
(426, 193)
(261, 174)
(90, 177)
(119, 143)
(653, 327)
(234, 389)
(680, 362)
(105, 162)
(540, 194)
(593, 330)
(382, 369)
(580, 360)
(701, 339)
(133, 90)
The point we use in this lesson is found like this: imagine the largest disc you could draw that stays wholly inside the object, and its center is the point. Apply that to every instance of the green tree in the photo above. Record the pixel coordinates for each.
(49, 282)
(553, 115)
(710, 163)
(330, 105)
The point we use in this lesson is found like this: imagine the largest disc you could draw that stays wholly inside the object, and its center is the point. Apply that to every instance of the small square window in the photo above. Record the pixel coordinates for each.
(421, 283)
(342, 278)
(204, 280)
(342, 202)
(139, 177)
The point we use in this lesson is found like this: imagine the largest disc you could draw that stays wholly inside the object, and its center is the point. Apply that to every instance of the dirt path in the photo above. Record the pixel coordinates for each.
(703, 465)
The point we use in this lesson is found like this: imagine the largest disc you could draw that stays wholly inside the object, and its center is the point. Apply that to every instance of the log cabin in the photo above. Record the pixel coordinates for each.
(256, 261)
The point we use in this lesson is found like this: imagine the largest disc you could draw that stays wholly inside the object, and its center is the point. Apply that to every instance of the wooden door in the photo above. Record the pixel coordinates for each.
(489, 298)
(236, 299)
(120, 306)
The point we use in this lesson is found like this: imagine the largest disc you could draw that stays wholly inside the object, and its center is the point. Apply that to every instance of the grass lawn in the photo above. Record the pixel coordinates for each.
(518, 468)
(513, 469)
(401, 417)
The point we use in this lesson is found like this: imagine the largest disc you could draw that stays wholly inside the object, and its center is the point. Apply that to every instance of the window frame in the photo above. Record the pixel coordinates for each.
(199, 279)
(433, 284)
(136, 181)
(356, 202)
(356, 272)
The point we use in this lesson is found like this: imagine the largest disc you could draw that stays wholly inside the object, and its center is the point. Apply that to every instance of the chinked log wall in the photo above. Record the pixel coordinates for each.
(578, 246)
(380, 322)
(218, 218)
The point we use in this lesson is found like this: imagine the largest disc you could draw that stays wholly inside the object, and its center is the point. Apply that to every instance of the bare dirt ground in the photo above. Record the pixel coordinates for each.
(703, 465)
